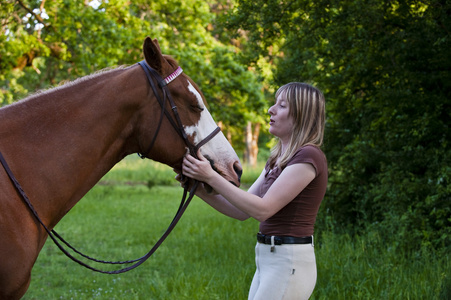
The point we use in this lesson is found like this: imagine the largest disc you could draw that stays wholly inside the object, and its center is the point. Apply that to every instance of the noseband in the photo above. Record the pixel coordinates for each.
(152, 76)
(176, 122)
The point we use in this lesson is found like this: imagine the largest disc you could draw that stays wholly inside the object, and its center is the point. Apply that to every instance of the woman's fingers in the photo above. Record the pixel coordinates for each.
(192, 167)
(187, 165)
(189, 159)
(199, 154)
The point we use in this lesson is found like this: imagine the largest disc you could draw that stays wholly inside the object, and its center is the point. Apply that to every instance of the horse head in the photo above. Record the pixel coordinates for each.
(196, 121)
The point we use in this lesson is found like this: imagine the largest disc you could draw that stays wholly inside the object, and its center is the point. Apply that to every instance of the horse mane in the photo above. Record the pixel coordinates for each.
(69, 83)
(66, 84)
(90, 76)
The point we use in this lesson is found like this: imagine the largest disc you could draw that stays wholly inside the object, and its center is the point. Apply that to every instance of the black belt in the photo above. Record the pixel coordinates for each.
(279, 240)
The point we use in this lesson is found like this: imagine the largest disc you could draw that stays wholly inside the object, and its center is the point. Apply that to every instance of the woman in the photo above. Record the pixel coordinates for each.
(285, 198)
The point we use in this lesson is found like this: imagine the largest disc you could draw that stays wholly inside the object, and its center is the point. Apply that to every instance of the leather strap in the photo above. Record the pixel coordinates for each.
(280, 240)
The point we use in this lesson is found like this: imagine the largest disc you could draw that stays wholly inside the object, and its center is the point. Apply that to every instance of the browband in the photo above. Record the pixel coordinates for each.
(173, 76)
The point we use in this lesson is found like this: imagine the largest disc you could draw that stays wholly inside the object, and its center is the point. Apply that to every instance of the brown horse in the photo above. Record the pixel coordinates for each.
(59, 143)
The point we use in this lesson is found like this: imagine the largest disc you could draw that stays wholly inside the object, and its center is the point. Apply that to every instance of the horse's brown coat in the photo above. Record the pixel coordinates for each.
(61, 142)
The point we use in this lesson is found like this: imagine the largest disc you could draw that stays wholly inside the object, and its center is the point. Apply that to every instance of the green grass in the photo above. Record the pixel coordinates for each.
(364, 267)
(123, 222)
(208, 256)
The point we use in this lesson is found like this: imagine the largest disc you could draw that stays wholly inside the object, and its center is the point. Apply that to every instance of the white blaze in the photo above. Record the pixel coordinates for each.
(206, 123)
(218, 149)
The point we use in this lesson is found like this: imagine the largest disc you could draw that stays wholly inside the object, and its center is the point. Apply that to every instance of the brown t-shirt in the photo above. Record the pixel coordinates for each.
(298, 217)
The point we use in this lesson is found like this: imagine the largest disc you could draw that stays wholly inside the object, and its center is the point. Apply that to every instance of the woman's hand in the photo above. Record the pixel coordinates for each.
(185, 182)
(199, 169)
(179, 177)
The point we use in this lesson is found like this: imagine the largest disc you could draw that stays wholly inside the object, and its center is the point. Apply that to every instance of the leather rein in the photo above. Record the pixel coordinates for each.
(153, 78)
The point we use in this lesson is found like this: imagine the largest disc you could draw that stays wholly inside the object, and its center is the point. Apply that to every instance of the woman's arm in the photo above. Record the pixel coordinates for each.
(219, 203)
(288, 185)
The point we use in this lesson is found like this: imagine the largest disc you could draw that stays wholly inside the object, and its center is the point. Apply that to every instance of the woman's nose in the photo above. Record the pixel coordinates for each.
(270, 110)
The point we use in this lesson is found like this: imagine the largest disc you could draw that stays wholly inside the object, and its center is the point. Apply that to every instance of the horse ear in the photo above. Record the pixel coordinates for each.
(152, 54)
(155, 41)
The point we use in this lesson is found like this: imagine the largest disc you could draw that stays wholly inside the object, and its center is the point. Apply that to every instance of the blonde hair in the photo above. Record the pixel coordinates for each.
(307, 107)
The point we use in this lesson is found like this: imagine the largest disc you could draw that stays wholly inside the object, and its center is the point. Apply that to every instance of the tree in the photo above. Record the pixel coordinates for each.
(251, 140)
(45, 42)
(384, 67)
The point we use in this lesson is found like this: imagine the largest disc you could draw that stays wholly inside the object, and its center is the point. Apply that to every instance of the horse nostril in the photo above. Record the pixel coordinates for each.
(238, 170)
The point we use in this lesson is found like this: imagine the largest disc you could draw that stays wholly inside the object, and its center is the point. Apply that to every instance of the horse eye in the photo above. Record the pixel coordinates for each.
(197, 107)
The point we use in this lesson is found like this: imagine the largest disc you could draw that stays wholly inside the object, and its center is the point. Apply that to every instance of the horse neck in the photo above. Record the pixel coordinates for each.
(62, 142)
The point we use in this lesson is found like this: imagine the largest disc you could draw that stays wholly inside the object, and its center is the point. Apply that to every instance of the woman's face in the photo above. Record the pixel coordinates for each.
(280, 122)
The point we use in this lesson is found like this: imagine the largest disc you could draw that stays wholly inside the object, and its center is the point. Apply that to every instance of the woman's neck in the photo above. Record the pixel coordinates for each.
(284, 148)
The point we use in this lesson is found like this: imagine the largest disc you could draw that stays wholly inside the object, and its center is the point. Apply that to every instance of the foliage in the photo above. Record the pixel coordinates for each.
(45, 42)
(384, 67)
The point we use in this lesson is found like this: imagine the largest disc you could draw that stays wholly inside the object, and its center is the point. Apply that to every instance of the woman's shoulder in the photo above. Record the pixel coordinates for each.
(308, 154)
(309, 150)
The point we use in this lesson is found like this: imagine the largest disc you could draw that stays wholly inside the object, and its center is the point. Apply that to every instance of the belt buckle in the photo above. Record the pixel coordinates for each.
(278, 240)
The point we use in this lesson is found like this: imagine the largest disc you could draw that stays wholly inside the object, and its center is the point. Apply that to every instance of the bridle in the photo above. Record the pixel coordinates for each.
(176, 122)
(152, 76)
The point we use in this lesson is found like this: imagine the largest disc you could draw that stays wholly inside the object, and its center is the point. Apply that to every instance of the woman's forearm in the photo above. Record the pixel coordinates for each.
(250, 204)
(219, 203)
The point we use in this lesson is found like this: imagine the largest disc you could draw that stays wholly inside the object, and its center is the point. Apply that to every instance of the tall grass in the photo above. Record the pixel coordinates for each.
(208, 256)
